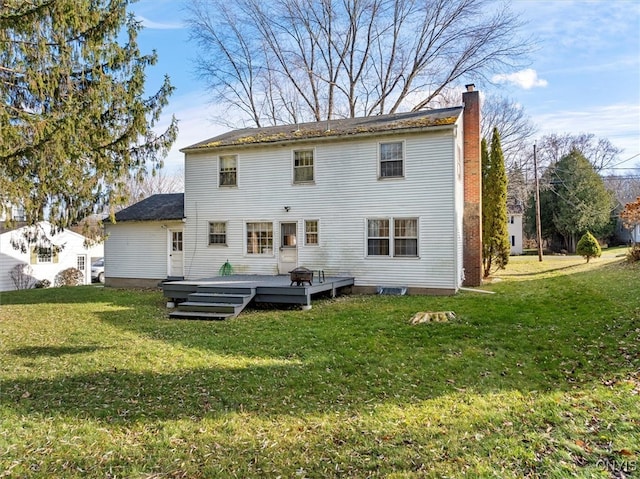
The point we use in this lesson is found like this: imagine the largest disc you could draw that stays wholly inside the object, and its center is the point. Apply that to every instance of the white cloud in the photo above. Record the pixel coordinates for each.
(146, 23)
(619, 123)
(526, 79)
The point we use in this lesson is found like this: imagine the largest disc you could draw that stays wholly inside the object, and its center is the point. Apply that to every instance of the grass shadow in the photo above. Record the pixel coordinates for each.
(534, 274)
(54, 351)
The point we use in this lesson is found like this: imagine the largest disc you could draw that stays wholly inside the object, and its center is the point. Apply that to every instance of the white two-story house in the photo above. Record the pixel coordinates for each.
(390, 200)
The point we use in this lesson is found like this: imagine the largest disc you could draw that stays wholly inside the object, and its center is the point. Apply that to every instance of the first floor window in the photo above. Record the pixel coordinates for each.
(260, 238)
(229, 170)
(45, 255)
(397, 236)
(405, 237)
(217, 233)
(303, 166)
(311, 232)
(378, 237)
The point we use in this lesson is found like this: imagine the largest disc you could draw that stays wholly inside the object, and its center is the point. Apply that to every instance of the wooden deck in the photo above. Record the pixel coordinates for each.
(225, 297)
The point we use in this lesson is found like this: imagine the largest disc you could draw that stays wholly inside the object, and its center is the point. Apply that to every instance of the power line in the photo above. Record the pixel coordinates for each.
(624, 161)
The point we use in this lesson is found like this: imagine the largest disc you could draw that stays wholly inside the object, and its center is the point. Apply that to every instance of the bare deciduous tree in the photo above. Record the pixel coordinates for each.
(625, 187)
(140, 187)
(600, 152)
(515, 127)
(287, 61)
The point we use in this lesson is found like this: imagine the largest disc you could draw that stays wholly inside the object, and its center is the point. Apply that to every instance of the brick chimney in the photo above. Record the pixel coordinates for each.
(472, 217)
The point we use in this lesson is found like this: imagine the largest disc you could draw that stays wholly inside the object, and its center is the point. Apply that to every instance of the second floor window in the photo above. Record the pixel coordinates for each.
(391, 160)
(303, 166)
(229, 170)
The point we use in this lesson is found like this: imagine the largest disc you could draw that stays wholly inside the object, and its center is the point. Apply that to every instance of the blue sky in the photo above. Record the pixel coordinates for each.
(584, 76)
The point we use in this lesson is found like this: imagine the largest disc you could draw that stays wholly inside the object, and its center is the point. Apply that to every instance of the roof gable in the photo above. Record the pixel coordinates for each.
(166, 206)
(45, 231)
(348, 127)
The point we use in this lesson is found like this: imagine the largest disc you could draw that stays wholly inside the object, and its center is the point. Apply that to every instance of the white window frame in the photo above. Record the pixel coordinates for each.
(392, 237)
(44, 258)
(381, 161)
(229, 170)
(378, 238)
(265, 249)
(297, 168)
(397, 238)
(177, 240)
(210, 234)
(316, 232)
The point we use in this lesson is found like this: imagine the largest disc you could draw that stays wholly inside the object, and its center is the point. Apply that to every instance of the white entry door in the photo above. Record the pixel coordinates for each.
(82, 267)
(288, 251)
(176, 256)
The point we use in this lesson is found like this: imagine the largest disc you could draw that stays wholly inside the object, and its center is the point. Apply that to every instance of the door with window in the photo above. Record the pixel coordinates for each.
(81, 262)
(176, 256)
(288, 256)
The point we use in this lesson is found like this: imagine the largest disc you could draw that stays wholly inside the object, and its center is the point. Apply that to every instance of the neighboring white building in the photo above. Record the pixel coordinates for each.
(514, 219)
(14, 213)
(63, 250)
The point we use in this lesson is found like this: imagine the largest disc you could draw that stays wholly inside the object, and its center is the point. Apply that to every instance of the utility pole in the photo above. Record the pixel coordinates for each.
(538, 225)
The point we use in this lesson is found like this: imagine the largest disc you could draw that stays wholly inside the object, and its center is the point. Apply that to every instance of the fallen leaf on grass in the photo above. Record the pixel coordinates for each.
(625, 452)
(583, 445)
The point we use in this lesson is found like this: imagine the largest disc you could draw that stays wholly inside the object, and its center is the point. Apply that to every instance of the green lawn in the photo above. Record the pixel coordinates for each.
(540, 379)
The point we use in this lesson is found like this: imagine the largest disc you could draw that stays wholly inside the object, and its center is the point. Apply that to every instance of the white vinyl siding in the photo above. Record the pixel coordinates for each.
(347, 192)
(139, 249)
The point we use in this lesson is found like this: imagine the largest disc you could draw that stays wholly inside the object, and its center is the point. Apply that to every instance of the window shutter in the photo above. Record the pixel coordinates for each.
(34, 256)
(54, 254)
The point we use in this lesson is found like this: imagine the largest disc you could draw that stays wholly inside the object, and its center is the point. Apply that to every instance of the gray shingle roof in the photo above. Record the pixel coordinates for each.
(168, 206)
(334, 128)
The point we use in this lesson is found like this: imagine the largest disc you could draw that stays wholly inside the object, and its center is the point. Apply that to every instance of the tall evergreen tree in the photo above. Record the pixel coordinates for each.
(495, 233)
(575, 199)
(74, 118)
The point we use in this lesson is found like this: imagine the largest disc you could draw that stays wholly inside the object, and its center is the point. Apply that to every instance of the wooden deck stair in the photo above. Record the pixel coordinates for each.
(213, 302)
